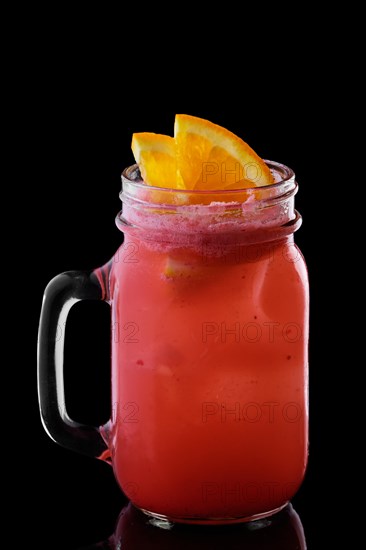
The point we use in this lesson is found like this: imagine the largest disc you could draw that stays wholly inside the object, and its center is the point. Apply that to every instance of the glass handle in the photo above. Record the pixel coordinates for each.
(60, 295)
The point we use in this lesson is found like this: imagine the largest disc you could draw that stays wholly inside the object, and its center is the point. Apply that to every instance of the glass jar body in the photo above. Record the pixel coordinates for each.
(209, 376)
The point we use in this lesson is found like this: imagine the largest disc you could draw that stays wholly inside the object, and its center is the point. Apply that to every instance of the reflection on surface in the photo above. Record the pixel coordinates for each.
(135, 530)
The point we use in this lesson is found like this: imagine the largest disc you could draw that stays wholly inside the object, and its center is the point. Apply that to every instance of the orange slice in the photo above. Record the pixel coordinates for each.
(174, 268)
(201, 156)
(211, 157)
(156, 156)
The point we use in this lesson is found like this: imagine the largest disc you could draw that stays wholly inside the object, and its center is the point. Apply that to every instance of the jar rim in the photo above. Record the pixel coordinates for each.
(257, 213)
(282, 171)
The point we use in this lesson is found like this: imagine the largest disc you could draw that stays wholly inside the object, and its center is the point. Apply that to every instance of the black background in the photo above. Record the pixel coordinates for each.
(85, 97)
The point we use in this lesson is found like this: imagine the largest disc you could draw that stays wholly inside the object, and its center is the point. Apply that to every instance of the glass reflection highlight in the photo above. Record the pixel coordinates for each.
(135, 530)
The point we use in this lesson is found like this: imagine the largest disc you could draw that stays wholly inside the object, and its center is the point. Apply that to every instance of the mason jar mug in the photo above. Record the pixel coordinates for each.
(209, 333)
